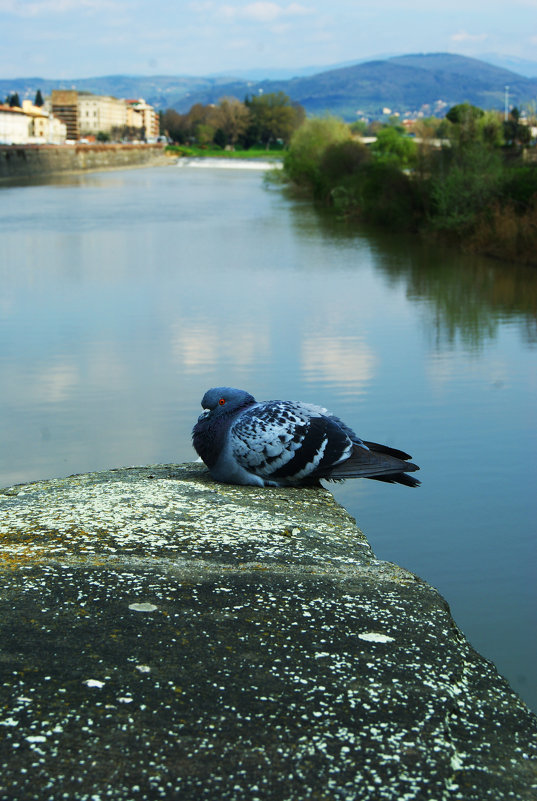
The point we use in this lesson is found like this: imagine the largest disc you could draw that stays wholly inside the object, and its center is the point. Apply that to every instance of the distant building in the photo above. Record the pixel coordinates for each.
(43, 127)
(149, 117)
(64, 105)
(14, 126)
(86, 115)
(30, 125)
(100, 113)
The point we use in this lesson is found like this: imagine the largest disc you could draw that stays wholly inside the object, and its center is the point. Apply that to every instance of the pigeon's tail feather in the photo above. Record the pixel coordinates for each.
(377, 448)
(379, 462)
(399, 478)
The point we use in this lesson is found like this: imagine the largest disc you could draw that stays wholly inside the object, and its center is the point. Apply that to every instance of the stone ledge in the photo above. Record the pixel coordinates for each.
(164, 636)
(29, 162)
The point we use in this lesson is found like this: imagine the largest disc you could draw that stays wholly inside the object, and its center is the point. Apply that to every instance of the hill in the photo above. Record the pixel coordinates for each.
(409, 83)
(402, 83)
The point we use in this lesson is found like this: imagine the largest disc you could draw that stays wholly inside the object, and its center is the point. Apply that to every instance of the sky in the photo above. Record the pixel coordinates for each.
(86, 38)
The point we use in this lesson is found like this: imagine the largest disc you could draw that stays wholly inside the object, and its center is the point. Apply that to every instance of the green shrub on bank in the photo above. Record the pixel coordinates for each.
(472, 191)
(464, 182)
(303, 161)
(389, 197)
(505, 233)
(380, 194)
(392, 147)
(520, 187)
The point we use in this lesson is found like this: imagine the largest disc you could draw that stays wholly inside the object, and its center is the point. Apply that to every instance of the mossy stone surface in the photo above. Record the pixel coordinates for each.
(163, 636)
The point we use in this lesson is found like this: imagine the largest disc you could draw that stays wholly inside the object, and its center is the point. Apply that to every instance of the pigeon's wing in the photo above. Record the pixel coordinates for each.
(288, 441)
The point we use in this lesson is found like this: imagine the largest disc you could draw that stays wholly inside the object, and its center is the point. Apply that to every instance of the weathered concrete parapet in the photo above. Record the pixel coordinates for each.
(163, 636)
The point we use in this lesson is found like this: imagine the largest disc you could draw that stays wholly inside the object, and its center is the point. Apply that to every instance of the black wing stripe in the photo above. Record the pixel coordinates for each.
(324, 444)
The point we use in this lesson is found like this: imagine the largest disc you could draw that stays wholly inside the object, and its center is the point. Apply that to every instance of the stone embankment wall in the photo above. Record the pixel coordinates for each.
(163, 636)
(33, 161)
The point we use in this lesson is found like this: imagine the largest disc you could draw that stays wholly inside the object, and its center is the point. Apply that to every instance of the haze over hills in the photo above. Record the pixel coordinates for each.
(409, 83)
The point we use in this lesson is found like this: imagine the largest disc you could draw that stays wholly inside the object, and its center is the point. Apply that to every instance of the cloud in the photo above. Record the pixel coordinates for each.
(464, 36)
(264, 11)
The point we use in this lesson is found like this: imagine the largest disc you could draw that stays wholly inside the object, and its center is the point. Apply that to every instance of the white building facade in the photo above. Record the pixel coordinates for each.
(43, 127)
(100, 113)
(30, 125)
(14, 126)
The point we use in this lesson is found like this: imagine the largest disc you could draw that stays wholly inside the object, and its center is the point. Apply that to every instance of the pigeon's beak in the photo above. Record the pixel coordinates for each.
(205, 413)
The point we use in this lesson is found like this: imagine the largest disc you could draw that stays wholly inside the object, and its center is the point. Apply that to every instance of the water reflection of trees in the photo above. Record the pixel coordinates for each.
(462, 295)
(467, 296)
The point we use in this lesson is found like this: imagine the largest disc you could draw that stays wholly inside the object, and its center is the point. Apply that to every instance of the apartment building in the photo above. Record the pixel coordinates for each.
(146, 116)
(100, 113)
(85, 114)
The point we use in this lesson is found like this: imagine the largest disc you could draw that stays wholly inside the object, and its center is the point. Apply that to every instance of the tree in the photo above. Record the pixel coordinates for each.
(466, 181)
(232, 118)
(465, 126)
(172, 124)
(274, 117)
(39, 102)
(359, 127)
(491, 129)
(515, 132)
(14, 101)
(204, 133)
(302, 162)
(393, 147)
(464, 113)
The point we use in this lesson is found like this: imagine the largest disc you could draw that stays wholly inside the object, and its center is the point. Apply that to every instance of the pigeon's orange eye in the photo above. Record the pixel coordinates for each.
(221, 401)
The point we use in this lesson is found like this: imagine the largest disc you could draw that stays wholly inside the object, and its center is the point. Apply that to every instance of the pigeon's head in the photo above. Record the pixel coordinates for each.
(222, 400)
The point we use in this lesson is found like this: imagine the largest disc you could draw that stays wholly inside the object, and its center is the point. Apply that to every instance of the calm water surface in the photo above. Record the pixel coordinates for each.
(125, 295)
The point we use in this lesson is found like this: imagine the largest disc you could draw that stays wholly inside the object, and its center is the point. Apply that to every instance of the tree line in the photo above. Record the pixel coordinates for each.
(264, 120)
(465, 179)
(13, 100)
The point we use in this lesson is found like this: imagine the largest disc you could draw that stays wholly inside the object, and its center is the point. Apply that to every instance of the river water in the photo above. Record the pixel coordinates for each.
(125, 295)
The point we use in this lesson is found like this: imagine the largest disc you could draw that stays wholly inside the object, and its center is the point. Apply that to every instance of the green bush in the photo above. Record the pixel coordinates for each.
(302, 162)
(394, 148)
(464, 182)
(468, 192)
(520, 186)
(342, 160)
(389, 197)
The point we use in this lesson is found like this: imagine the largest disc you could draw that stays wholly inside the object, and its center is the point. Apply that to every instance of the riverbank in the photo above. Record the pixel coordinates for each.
(164, 635)
(473, 193)
(35, 161)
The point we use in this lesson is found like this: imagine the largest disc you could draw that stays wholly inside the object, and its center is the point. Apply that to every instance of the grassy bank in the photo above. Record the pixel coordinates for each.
(218, 152)
(469, 189)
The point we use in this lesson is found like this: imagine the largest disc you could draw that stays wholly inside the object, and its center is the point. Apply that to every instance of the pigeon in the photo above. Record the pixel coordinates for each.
(284, 443)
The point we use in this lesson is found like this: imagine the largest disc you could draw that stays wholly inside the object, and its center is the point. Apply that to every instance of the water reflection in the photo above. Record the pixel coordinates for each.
(464, 297)
(345, 362)
(199, 347)
(124, 296)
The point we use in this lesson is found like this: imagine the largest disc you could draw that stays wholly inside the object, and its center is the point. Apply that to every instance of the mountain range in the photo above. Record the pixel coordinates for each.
(410, 83)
